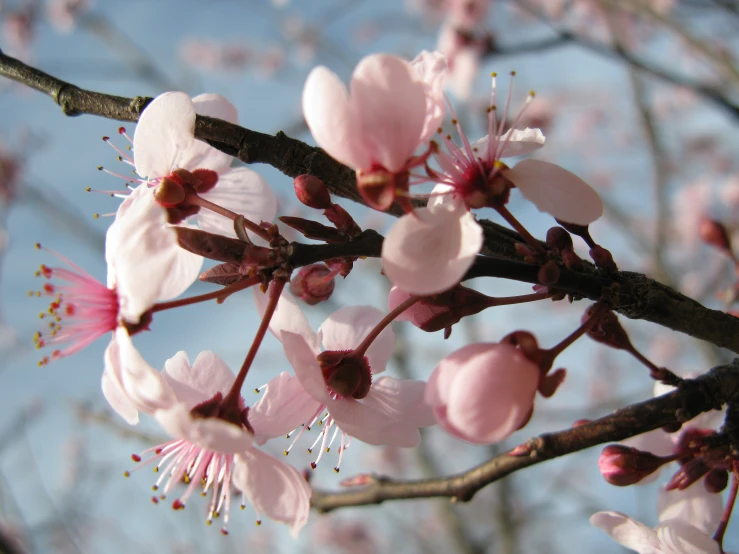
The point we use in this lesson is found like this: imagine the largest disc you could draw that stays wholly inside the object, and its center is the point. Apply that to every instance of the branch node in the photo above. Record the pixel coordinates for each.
(63, 97)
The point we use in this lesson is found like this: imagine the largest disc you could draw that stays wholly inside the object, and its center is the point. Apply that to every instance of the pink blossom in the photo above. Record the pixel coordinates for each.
(687, 519)
(430, 250)
(390, 412)
(165, 150)
(483, 392)
(211, 447)
(145, 266)
(375, 129)
(431, 69)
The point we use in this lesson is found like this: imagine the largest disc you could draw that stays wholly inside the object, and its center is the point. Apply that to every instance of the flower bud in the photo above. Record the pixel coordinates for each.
(342, 220)
(608, 330)
(624, 465)
(549, 273)
(313, 284)
(714, 233)
(579, 230)
(311, 191)
(558, 238)
(603, 258)
(571, 260)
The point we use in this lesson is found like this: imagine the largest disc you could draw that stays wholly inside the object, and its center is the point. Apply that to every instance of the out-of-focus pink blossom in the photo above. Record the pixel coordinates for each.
(215, 56)
(63, 14)
(483, 392)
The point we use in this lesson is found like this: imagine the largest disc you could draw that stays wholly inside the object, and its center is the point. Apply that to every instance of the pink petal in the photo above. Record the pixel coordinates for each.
(626, 531)
(243, 191)
(519, 142)
(372, 424)
(347, 327)
(141, 383)
(390, 107)
(431, 69)
(144, 260)
(556, 191)
(165, 132)
(430, 250)
(702, 509)
(284, 406)
(201, 381)
(492, 394)
(113, 389)
(402, 400)
(302, 356)
(331, 119)
(210, 433)
(287, 317)
(273, 487)
(201, 155)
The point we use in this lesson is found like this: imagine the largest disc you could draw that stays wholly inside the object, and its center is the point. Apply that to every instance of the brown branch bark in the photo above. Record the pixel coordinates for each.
(710, 391)
(640, 297)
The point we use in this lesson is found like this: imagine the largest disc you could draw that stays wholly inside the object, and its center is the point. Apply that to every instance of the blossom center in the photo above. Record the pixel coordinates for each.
(345, 373)
(174, 191)
(229, 410)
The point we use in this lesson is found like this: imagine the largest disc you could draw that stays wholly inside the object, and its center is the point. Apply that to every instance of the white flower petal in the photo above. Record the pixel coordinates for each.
(201, 155)
(201, 381)
(210, 433)
(243, 191)
(627, 532)
(695, 505)
(165, 131)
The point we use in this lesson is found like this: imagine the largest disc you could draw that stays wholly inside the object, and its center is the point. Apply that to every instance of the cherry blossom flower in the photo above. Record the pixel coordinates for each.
(167, 156)
(476, 173)
(212, 439)
(483, 392)
(687, 520)
(376, 129)
(336, 387)
(145, 266)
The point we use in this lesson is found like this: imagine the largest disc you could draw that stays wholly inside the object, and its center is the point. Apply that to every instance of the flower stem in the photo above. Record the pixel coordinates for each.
(197, 200)
(274, 296)
(399, 309)
(513, 222)
(520, 299)
(548, 356)
(724, 523)
(222, 293)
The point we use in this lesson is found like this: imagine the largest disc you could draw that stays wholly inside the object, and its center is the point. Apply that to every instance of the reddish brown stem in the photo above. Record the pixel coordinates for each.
(520, 299)
(221, 293)
(513, 222)
(274, 296)
(208, 205)
(548, 356)
(399, 309)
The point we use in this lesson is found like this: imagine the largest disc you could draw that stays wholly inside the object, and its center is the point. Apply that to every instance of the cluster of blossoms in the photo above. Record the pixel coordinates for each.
(188, 203)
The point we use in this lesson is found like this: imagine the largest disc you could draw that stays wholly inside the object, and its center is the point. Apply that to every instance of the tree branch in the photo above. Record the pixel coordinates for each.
(639, 297)
(694, 396)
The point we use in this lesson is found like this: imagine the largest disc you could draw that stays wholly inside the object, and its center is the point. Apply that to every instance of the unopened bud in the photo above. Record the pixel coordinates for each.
(313, 284)
(342, 220)
(687, 475)
(549, 273)
(558, 238)
(311, 191)
(608, 330)
(714, 233)
(624, 465)
(603, 258)
(716, 480)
